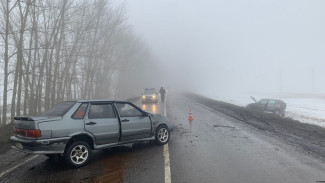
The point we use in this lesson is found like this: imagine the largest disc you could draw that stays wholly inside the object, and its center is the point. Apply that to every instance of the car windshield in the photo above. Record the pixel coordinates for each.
(150, 92)
(263, 101)
(60, 109)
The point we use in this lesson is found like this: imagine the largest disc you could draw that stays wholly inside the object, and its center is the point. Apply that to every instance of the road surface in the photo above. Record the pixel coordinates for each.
(214, 147)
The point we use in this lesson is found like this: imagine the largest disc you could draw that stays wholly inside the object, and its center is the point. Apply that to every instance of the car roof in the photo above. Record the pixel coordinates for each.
(271, 99)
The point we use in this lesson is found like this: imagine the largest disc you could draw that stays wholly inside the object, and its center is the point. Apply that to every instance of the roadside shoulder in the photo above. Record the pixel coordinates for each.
(308, 138)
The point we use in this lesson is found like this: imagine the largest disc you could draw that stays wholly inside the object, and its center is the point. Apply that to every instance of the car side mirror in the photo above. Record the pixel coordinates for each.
(146, 114)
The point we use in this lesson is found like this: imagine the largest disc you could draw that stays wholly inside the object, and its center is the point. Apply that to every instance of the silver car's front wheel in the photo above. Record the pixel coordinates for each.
(78, 153)
(162, 135)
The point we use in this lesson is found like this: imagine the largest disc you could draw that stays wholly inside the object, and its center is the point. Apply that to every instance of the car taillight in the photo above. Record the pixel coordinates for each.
(28, 132)
(34, 133)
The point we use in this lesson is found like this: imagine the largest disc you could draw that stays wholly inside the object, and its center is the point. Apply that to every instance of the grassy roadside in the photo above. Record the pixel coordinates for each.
(5, 133)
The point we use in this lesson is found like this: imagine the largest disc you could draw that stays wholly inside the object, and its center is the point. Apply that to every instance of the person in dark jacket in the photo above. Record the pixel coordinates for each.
(162, 92)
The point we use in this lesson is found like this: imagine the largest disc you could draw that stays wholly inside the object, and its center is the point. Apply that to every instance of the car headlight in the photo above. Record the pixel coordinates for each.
(143, 97)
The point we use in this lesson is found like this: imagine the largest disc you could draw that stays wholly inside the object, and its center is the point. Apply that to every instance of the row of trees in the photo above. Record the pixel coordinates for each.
(55, 50)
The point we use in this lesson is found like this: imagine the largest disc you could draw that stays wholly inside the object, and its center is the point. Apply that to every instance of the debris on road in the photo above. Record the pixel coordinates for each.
(223, 126)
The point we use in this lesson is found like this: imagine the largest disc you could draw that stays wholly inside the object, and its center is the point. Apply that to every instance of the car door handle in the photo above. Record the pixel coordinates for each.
(125, 120)
(91, 123)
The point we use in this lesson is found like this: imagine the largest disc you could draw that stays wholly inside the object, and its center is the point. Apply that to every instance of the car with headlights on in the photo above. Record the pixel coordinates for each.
(72, 129)
(150, 95)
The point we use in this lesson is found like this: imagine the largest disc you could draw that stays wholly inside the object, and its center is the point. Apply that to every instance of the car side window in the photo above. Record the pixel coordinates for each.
(80, 112)
(101, 111)
(263, 102)
(127, 110)
(271, 101)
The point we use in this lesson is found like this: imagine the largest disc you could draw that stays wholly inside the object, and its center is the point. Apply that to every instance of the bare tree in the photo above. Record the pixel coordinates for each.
(65, 50)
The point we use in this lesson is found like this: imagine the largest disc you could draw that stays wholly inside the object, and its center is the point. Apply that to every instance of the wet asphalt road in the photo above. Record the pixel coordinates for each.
(211, 148)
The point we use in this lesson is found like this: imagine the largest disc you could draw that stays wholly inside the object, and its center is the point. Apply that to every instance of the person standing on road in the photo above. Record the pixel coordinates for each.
(162, 92)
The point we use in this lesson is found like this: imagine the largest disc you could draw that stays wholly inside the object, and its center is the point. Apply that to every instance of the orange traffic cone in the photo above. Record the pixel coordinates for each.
(190, 117)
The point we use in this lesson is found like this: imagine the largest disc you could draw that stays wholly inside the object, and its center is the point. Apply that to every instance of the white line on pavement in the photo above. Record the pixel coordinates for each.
(167, 165)
(166, 154)
(17, 166)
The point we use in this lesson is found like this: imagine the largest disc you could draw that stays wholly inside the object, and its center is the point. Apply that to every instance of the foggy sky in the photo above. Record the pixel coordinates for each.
(222, 46)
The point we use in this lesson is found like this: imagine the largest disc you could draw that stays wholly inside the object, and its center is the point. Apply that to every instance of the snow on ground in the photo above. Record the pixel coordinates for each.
(306, 108)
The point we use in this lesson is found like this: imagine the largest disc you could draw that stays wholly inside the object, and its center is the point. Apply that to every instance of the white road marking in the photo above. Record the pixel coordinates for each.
(17, 166)
(168, 178)
(167, 165)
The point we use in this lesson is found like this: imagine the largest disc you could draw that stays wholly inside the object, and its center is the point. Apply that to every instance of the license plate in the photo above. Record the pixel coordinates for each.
(19, 146)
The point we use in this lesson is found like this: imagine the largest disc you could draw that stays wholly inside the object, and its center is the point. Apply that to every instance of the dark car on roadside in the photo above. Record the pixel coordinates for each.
(150, 95)
(71, 129)
(274, 106)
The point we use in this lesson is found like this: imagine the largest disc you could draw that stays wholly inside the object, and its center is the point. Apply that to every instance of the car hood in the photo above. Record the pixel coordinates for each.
(252, 105)
(159, 118)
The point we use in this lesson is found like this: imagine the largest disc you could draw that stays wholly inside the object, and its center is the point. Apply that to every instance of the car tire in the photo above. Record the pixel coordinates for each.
(162, 135)
(78, 154)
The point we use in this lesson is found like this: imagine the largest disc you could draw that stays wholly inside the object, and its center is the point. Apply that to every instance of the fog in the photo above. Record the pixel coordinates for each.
(234, 46)
(94, 49)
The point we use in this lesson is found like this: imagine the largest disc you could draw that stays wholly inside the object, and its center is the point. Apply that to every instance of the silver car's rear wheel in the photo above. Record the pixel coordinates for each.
(162, 135)
(78, 154)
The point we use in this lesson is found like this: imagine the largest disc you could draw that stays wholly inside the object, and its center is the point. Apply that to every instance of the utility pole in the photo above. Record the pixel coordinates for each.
(280, 82)
(313, 79)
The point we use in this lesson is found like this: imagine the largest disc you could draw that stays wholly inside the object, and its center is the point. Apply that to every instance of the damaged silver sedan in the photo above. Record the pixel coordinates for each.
(72, 129)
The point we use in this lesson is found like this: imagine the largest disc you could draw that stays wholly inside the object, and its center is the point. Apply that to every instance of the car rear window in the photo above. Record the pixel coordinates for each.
(80, 112)
(263, 102)
(60, 109)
